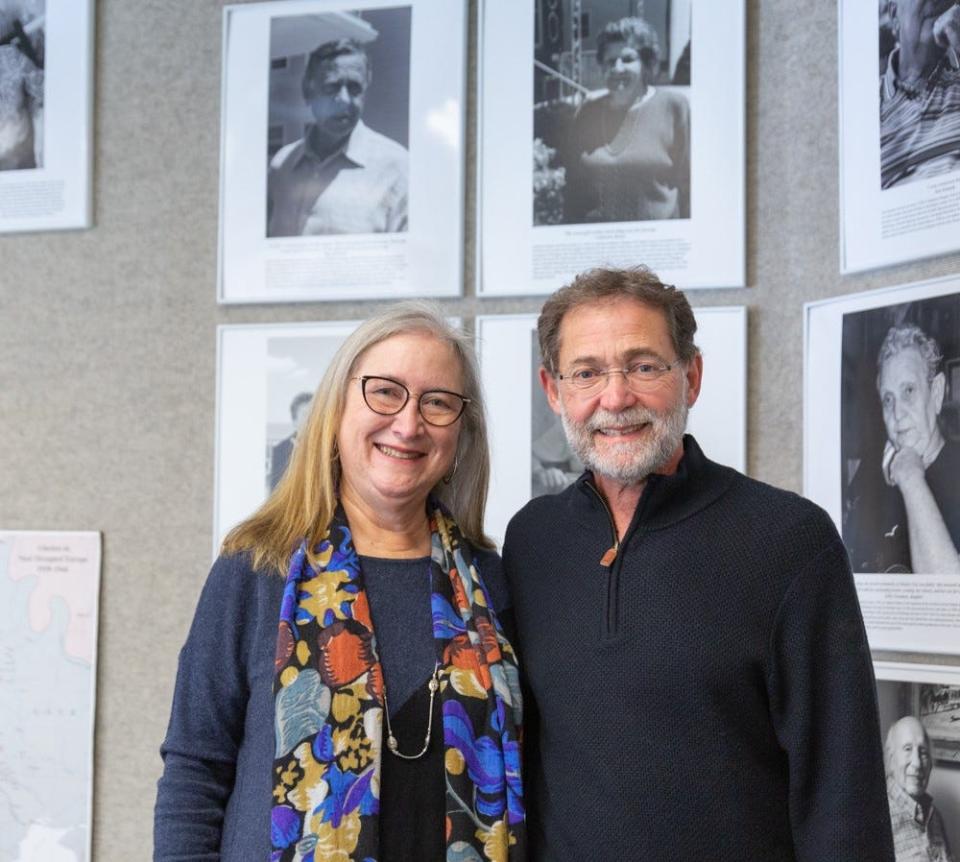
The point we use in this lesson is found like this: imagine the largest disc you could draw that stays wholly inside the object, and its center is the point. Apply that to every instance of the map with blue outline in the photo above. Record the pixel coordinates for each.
(48, 597)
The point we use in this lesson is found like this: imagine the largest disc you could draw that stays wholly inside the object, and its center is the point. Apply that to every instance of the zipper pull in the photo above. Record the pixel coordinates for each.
(609, 556)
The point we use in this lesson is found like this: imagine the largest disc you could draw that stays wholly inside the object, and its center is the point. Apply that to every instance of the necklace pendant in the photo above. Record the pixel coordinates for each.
(392, 743)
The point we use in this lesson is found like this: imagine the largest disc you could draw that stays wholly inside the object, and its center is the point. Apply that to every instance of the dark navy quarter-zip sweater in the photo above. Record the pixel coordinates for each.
(709, 694)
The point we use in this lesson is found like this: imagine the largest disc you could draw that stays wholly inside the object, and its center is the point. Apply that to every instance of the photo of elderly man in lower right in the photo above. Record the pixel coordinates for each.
(924, 798)
(900, 443)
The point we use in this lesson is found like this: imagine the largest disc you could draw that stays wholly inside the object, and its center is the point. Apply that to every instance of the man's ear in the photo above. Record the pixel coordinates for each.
(549, 384)
(694, 375)
(938, 389)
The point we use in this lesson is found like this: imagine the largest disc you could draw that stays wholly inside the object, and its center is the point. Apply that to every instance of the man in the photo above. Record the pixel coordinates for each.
(920, 93)
(910, 520)
(918, 834)
(280, 454)
(341, 177)
(700, 685)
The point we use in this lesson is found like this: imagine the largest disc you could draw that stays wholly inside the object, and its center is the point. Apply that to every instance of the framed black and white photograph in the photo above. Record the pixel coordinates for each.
(46, 106)
(341, 164)
(607, 139)
(919, 710)
(899, 131)
(882, 453)
(529, 452)
(266, 378)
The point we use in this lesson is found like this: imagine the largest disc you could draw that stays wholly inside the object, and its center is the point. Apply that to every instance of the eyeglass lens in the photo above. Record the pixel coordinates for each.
(640, 378)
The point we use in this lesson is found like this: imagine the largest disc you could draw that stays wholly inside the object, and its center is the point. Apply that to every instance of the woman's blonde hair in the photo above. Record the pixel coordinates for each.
(305, 499)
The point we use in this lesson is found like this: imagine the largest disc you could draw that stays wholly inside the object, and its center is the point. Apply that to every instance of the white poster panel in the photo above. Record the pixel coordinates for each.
(528, 450)
(341, 150)
(899, 132)
(597, 150)
(46, 114)
(919, 708)
(882, 453)
(49, 595)
(266, 377)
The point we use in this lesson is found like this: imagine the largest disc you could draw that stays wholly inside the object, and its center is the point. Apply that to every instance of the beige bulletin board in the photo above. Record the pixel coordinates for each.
(108, 336)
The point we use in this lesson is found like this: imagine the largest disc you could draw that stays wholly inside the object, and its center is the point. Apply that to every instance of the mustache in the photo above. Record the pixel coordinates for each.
(636, 415)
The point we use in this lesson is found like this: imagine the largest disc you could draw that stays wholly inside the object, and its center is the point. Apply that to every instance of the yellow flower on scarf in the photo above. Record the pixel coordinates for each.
(311, 790)
(336, 844)
(323, 593)
(496, 841)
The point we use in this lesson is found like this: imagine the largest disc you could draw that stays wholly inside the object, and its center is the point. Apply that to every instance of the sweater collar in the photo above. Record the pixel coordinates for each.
(667, 500)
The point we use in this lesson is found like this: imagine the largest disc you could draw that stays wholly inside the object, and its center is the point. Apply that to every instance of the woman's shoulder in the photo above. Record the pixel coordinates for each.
(233, 579)
(592, 103)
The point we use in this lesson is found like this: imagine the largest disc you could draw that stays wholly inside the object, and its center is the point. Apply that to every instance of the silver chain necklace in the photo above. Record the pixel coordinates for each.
(392, 743)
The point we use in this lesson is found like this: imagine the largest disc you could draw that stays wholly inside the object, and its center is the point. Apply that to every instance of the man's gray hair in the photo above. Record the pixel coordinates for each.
(906, 337)
(605, 285)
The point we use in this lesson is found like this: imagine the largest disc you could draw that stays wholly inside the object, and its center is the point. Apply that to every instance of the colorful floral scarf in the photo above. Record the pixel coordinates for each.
(328, 706)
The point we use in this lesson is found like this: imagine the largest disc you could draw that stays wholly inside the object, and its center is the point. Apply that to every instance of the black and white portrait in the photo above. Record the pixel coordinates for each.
(611, 111)
(553, 465)
(919, 42)
(295, 365)
(338, 123)
(900, 438)
(21, 84)
(920, 724)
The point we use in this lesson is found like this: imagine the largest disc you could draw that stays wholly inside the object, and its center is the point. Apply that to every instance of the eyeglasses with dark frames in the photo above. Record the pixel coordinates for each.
(388, 397)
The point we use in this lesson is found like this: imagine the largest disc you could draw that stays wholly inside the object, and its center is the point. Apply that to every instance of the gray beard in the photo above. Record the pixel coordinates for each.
(629, 463)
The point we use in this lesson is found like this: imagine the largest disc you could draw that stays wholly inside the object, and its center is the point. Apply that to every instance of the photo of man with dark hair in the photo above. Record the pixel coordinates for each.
(340, 176)
(280, 454)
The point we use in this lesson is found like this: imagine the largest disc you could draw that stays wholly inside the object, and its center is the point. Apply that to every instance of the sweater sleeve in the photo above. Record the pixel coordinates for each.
(824, 709)
(206, 720)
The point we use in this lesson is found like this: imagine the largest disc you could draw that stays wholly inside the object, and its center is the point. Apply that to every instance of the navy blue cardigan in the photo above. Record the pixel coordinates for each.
(213, 799)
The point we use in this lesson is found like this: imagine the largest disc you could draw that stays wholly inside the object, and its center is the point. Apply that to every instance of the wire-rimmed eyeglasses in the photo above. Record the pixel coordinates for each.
(388, 397)
(644, 375)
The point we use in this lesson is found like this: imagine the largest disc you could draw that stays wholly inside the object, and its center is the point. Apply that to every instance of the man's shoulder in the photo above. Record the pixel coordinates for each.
(548, 505)
(285, 444)
(775, 505)
(287, 155)
(373, 148)
(540, 517)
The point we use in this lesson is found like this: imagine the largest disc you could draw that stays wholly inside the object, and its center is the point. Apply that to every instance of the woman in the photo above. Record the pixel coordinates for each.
(387, 632)
(631, 144)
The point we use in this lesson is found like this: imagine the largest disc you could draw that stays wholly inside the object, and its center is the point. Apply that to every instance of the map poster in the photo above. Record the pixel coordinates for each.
(49, 587)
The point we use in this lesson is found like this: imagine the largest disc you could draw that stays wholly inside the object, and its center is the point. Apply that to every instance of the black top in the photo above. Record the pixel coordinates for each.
(412, 824)
(876, 530)
(710, 694)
